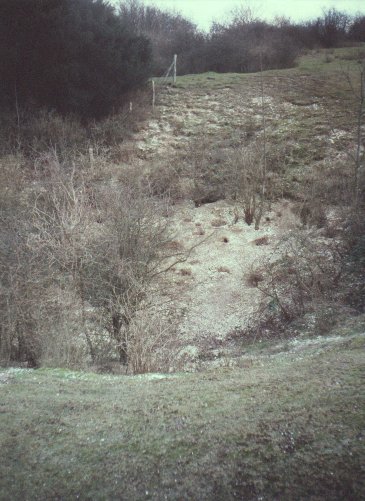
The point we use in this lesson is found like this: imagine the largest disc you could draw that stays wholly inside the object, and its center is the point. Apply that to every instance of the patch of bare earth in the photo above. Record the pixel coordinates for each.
(215, 295)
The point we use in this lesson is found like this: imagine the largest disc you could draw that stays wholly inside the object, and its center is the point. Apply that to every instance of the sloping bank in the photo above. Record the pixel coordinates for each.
(289, 426)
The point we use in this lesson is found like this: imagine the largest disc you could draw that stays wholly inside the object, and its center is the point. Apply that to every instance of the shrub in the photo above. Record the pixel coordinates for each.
(169, 34)
(23, 276)
(150, 344)
(76, 256)
(247, 45)
(307, 274)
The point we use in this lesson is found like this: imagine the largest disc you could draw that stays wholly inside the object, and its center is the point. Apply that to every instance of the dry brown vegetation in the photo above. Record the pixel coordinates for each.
(89, 214)
(81, 247)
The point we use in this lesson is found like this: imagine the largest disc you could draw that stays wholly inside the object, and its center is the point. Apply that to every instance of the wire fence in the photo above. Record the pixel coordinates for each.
(169, 77)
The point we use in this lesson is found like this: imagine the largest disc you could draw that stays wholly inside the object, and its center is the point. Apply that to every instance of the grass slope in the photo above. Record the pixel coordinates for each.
(289, 426)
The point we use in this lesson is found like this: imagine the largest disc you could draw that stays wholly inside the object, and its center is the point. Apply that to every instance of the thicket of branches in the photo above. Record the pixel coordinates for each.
(79, 262)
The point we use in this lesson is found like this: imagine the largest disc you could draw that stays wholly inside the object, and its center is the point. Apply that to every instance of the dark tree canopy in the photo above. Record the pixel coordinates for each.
(170, 33)
(357, 30)
(72, 55)
(249, 46)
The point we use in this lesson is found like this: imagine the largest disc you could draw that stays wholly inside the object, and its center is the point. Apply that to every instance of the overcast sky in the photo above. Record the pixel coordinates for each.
(203, 12)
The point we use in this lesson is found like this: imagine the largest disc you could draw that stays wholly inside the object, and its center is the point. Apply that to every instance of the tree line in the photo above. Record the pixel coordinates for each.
(234, 45)
(85, 56)
(76, 56)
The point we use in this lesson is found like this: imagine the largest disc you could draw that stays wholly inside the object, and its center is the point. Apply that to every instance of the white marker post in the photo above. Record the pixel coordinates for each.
(175, 59)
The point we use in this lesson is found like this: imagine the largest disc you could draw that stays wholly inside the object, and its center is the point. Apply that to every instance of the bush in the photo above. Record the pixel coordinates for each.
(306, 275)
(40, 130)
(22, 275)
(78, 260)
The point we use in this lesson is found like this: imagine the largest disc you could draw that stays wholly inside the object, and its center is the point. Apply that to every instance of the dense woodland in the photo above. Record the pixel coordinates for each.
(82, 241)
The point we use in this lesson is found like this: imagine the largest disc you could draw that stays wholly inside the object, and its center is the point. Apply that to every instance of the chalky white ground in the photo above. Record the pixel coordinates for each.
(213, 292)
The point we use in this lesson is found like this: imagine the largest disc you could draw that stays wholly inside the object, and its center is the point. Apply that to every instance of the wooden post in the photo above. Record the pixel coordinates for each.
(175, 59)
(91, 156)
(153, 94)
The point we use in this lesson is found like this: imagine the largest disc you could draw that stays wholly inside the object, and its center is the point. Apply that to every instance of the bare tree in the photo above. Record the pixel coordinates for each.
(359, 155)
(108, 245)
(24, 276)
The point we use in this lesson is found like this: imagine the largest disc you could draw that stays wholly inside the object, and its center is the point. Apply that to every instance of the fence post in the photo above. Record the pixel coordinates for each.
(175, 59)
(91, 156)
(153, 94)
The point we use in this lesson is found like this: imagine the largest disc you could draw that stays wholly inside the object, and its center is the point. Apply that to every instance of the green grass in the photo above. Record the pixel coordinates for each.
(320, 63)
(208, 81)
(289, 427)
(331, 60)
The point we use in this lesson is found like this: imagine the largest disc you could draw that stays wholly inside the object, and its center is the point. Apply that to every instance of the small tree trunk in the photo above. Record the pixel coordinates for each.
(361, 116)
(121, 341)
(175, 60)
(260, 211)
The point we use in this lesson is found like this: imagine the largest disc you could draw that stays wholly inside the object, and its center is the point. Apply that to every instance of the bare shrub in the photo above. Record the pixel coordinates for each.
(24, 276)
(207, 170)
(308, 272)
(329, 183)
(86, 259)
(354, 240)
(150, 346)
(164, 180)
(38, 130)
(246, 181)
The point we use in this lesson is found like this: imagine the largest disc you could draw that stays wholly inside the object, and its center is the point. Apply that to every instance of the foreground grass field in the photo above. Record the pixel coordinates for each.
(287, 426)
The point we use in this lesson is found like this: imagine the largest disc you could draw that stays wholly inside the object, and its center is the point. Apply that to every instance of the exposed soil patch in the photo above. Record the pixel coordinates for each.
(213, 302)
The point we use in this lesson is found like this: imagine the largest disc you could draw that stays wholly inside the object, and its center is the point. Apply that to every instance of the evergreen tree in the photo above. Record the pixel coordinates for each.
(72, 55)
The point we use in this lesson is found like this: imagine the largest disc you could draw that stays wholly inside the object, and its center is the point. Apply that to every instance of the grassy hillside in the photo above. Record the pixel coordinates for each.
(273, 407)
(286, 426)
